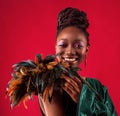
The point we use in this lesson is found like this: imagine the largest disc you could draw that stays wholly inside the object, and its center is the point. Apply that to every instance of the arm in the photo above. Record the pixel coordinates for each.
(52, 108)
(89, 104)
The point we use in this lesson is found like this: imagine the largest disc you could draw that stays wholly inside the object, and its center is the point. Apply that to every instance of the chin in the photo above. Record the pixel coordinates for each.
(74, 65)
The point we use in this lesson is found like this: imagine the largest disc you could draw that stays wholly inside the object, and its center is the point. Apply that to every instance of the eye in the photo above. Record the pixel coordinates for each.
(62, 44)
(78, 45)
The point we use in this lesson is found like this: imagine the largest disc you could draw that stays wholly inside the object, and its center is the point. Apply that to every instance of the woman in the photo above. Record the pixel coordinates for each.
(72, 45)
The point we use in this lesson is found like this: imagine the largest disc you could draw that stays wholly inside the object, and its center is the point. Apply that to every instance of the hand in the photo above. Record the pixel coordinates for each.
(73, 87)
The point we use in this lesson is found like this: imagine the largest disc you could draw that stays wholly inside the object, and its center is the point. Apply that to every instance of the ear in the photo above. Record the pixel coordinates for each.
(87, 49)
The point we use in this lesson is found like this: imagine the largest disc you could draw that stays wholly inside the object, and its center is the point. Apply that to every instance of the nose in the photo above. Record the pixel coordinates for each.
(70, 50)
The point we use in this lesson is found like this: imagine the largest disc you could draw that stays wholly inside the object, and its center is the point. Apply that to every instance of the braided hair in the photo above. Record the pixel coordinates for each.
(73, 17)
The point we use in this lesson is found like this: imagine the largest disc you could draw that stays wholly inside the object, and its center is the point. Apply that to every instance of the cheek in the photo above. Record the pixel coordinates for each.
(58, 50)
(82, 53)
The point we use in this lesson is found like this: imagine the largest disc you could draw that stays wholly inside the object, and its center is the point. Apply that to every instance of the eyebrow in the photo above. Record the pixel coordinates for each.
(77, 40)
(62, 39)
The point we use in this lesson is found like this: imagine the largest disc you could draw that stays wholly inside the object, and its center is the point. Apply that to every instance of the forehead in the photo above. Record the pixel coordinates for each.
(71, 34)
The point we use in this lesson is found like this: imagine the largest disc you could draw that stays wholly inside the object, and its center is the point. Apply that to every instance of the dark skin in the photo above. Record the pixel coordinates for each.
(71, 45)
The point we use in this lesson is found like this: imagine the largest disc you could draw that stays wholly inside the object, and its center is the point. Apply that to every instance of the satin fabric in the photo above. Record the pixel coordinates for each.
(90, 105)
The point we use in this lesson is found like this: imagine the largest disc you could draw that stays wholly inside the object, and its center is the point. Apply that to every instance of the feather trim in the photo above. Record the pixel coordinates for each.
(35, 77)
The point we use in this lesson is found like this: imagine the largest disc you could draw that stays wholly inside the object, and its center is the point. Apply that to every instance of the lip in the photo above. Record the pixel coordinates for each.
(70, 59)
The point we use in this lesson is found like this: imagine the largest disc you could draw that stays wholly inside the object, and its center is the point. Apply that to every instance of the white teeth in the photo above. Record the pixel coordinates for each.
(70, 59)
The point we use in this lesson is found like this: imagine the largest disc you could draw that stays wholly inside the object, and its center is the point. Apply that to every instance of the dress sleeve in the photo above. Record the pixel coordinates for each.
(89, 105)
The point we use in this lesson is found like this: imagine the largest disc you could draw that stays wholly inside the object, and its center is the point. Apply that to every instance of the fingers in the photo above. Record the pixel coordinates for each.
(74, 82)
(71, 92)
(78, 81)
(73, 87)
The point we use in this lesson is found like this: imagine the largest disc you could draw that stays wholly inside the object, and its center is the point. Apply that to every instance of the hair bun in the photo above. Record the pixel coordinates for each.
(72, 17)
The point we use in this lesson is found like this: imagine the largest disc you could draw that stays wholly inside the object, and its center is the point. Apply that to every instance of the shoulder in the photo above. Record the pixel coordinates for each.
(97, 87)
(94, 81)
(96, 84)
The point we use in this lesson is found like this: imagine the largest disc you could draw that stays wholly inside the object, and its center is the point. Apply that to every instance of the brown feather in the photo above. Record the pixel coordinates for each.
(51, 90)
(45, 93)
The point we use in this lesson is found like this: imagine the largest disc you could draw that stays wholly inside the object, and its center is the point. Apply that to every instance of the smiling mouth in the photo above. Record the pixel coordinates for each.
(70, 60)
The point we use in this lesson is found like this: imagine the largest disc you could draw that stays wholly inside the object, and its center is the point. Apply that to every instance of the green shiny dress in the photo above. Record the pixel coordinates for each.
(90, 105)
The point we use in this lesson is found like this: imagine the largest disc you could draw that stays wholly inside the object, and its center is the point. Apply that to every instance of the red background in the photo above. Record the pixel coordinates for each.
(28, 27)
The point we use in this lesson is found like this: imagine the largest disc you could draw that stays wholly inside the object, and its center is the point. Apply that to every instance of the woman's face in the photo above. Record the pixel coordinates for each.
(71, 45)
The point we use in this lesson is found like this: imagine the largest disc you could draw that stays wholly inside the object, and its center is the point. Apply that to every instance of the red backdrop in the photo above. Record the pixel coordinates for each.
(28, 27)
